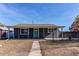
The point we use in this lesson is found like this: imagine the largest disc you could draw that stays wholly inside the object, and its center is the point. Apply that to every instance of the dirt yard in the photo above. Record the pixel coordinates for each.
(59, 48)
(15, 47)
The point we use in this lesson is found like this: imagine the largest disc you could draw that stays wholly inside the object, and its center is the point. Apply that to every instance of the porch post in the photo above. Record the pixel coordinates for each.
(8, 34)
(52, 34)
(57, 33)
(62, 32)
(43, 32)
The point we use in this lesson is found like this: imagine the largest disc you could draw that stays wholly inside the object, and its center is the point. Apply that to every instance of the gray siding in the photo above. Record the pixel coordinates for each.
(16, 33)
(30, 32)
(24, 36)
(45, 32)
(41, 33)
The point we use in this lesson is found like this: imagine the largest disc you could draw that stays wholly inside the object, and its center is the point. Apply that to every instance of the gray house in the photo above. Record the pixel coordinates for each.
(37, 31)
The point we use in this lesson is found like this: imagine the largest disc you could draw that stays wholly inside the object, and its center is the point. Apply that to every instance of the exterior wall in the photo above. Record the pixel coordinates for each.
(45, 32)
(41, 33)
(30, 32)
(11, 34)
(16, 33)
(55, 33)
(23, 36)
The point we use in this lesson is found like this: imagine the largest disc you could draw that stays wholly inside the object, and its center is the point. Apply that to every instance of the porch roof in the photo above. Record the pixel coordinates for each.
(37, 26)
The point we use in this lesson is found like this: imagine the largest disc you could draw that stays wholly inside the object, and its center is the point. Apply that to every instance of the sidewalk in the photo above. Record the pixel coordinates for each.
(35, 51)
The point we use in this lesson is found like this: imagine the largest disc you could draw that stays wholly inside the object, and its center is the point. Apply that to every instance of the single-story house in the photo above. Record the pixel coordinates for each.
(37, 31)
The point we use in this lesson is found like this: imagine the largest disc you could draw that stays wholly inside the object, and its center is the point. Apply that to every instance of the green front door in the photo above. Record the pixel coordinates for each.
(35, 33)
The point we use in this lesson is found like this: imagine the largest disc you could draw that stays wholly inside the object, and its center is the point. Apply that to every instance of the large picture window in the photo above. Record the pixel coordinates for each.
(24, 31)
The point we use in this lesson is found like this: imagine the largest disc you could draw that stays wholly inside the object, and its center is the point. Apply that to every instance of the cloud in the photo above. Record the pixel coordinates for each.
(8, 13)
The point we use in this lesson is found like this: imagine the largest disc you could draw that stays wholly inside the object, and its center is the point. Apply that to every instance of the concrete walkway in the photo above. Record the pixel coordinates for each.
(35, 51)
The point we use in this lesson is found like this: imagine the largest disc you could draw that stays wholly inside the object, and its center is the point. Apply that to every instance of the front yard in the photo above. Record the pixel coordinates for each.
(59, 48)
(48, 48)
(15, 47)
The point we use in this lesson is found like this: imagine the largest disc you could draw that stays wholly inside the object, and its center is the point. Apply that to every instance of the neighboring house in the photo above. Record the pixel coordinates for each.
(37, 31)
(4, 32)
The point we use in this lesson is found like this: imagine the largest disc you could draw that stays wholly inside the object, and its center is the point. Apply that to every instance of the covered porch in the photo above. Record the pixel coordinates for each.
(36, 31)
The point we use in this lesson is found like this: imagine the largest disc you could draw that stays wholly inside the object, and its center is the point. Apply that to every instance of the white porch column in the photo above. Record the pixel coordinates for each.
(57, 33)
(8, 34)
(53, 33)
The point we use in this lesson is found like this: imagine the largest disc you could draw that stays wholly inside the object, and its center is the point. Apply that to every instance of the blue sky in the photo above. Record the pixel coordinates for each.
(40, 13)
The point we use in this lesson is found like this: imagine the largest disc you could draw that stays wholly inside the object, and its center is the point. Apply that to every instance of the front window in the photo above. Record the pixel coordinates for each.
(24, 31)
(50, 30)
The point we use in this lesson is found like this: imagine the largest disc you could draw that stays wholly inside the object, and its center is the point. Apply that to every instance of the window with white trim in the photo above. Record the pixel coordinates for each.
(24, 31)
